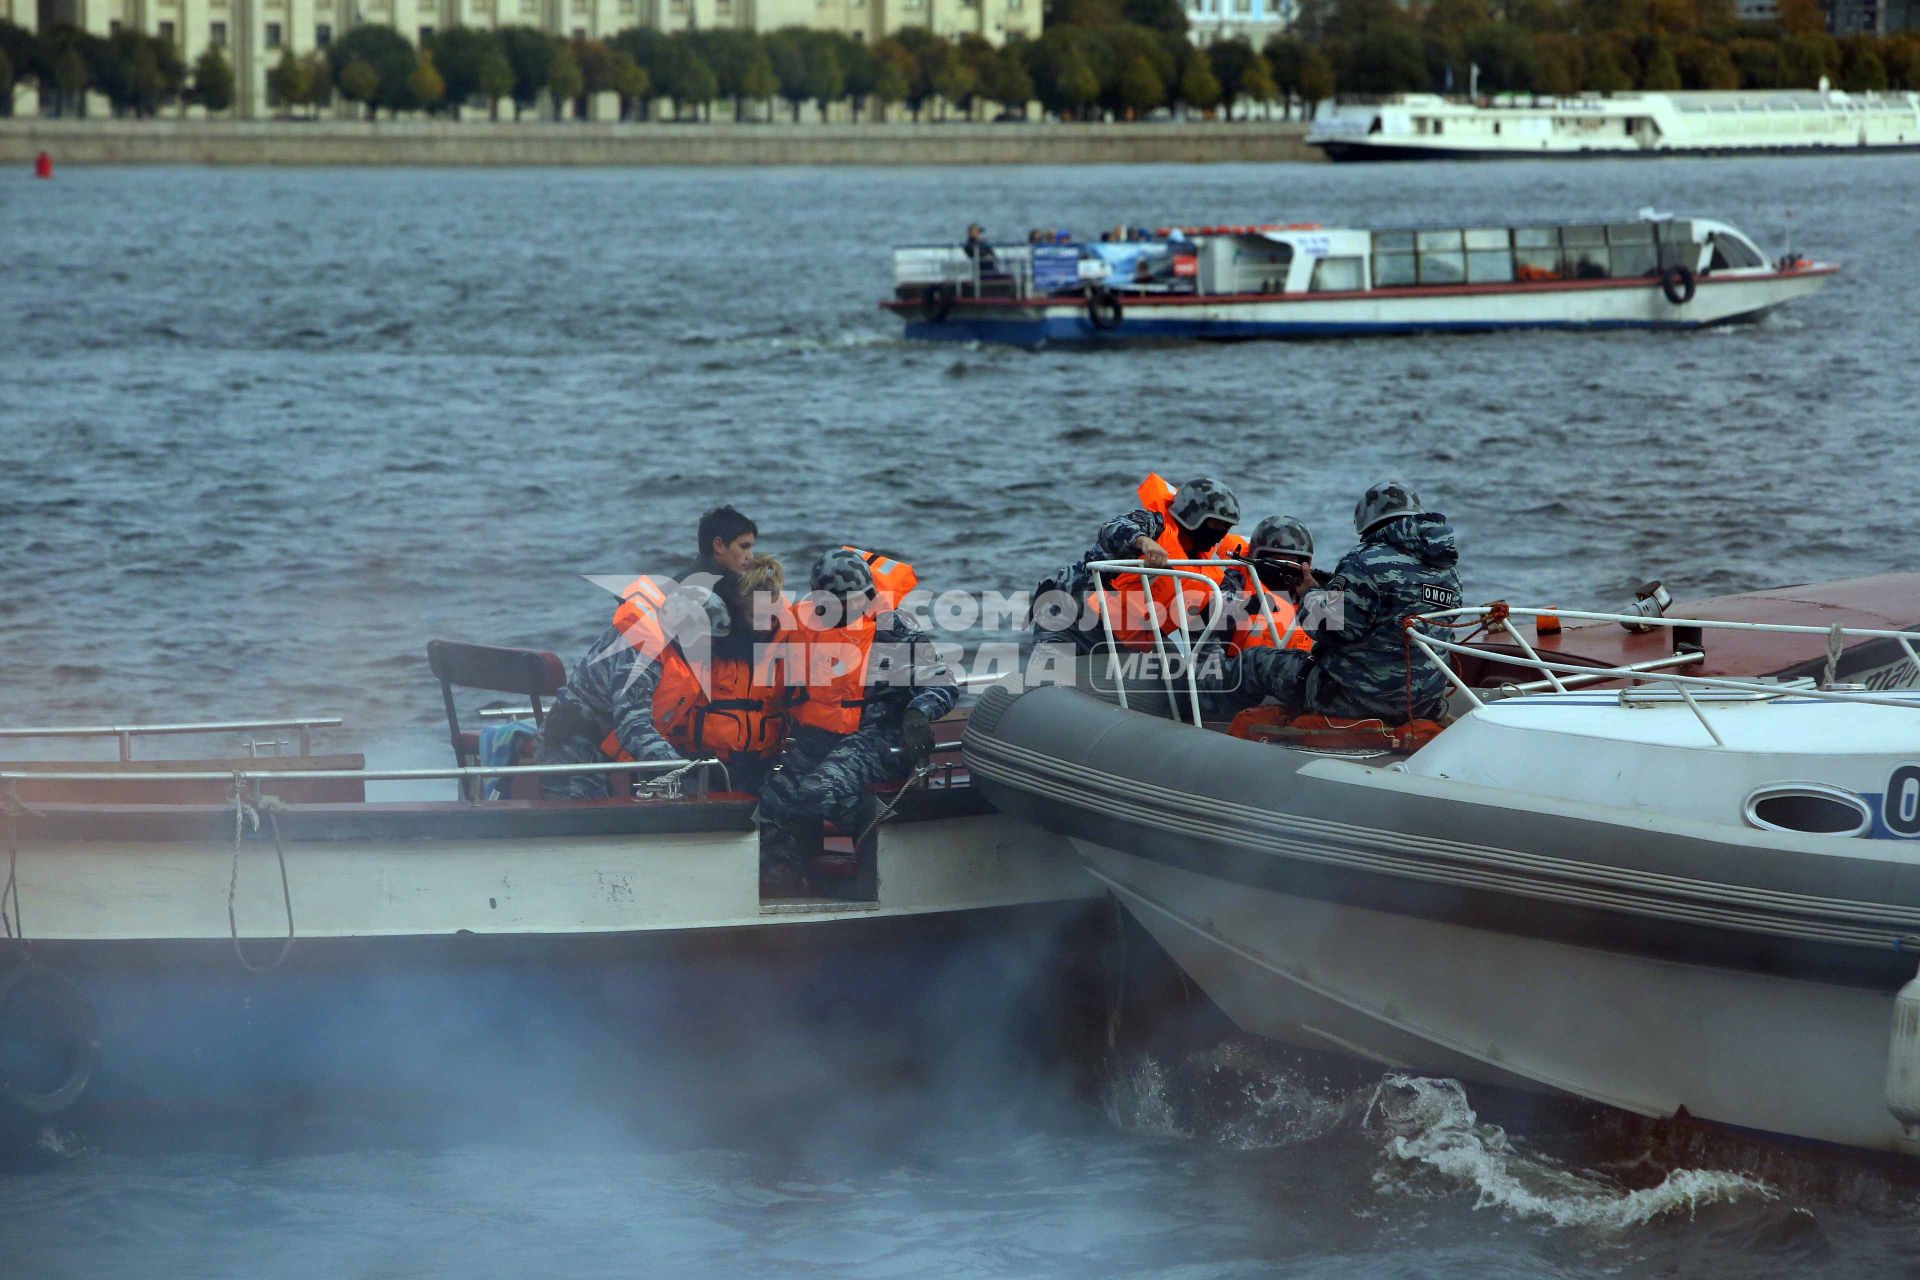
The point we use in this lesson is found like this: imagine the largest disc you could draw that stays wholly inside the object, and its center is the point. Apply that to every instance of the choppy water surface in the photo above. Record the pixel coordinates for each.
(264, 433)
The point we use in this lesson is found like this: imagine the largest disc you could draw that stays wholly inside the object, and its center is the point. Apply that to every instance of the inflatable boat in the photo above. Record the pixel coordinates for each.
(1671, 865)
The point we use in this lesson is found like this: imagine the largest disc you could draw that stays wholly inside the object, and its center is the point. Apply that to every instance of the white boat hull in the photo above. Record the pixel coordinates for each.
(1650, 1036)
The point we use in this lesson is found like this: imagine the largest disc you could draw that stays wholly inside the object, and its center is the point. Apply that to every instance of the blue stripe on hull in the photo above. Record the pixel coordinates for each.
(1075, 329)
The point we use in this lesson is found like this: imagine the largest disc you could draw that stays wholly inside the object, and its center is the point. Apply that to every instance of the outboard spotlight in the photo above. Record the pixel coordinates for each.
(1650, 601)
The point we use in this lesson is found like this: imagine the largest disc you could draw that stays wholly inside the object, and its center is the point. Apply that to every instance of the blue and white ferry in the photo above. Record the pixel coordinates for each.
(1308, 281)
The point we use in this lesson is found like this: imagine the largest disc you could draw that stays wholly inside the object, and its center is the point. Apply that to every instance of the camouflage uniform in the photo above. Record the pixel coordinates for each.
(1359, 662)
(824, 776)
(597, 700)
(1118, 539)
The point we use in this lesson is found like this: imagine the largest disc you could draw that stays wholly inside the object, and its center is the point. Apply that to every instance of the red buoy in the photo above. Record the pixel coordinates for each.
(43, 165)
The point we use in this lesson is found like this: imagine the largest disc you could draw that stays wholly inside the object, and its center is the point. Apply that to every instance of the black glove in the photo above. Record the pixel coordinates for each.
(916, 736)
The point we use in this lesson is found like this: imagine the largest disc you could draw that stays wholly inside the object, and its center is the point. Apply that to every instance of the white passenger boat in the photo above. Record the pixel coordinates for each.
(1308, 281)
(240, 931)
(1646, 883)
(1425, 126)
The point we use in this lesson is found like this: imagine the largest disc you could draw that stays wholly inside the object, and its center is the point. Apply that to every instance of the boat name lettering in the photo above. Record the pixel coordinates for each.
(1315, 246)
(1902, 807)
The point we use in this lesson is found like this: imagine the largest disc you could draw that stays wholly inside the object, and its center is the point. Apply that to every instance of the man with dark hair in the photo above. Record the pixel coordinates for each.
(726, 542)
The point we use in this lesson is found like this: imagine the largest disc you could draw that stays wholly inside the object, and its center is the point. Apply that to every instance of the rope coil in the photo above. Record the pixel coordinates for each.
(247, 816)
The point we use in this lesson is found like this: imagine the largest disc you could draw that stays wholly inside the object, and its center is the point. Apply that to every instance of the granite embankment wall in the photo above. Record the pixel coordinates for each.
(477, 143)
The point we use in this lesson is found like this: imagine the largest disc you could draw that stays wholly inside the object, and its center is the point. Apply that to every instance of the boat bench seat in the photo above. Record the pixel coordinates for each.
(1278, 725)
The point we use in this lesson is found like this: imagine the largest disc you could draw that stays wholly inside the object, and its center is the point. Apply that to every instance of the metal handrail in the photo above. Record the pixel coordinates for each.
(1657, 672)
(463, 773)
(127, 732)
(1177, 570)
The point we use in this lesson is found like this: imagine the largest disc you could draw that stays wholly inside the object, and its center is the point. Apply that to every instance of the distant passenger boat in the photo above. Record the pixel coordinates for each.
(1307, 281)
(1425, 126)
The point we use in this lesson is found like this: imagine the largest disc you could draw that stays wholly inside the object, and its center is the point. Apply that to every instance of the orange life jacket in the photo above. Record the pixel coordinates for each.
(1252, 633)
(734, 715)
(826, 667)
(1173, 597)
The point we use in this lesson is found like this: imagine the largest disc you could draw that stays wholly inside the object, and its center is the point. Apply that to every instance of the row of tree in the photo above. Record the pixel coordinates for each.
(1121, 59)
(1566, 46)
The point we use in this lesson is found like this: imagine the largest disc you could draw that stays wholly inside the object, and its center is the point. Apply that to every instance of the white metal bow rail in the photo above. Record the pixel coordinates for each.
(669, 770)
(1178, 571)
(126, 733)
(1561, 677)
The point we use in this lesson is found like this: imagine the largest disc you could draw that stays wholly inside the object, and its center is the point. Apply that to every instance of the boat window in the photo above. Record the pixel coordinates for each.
(1811, 807)
(1489, 255)
(1337, 275)
(1729, 252)
(1393, 270)
(1586, 252)
(1439, 240)
(1393, 242)
(1631, 250)
(1536, 253)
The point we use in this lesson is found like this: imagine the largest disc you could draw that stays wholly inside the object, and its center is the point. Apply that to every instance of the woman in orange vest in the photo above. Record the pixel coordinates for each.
(865, 688)
(672, 679)
(1187, 523)
(1280, 556)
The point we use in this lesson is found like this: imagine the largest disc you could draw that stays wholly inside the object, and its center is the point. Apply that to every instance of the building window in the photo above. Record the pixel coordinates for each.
(273, 35)
(426, 34)
(579, 33)
(323, 34)
(166, 32)
(217, 34)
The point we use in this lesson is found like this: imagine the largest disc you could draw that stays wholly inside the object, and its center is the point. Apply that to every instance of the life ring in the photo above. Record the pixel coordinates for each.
(1104, 309)
(936, 302)
(1678, 284)
(56, 1028)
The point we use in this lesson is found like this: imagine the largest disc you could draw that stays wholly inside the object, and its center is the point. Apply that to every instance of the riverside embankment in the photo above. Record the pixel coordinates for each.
(476, 143)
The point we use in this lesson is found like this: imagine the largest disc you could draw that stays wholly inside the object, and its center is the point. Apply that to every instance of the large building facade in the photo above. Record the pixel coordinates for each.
(1255, 20)
(253, 33)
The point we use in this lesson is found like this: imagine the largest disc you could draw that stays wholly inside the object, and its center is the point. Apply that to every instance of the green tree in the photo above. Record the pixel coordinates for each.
(1286, 57)
(425, 84)
(630, 81)
(863, 71)
(6, 84)
(1900, 55)
(136, 72)
(16, 51)
(213, 81)
(1809, 58)
(1504, 54)
(1705, 64)
(319, 80)
(1861, 70)
(786, 50)
(1079, 88)
(1317, 81)
(826, 79)
(760, 84)
(459, 54)
(70, 78)
(1006, 81)
(1759, 63)
(287, 82)
(388, 54)
(955, 82)
(1662, 72)
(894, 82)
(1258, 88)
(1140, 88)
(530, 53)
(1169, 16)
(1802, 18)
(564, 80)
(1199, 87)
(1606, 65)
(493, 78)
(1388, 59)
(359, 82)
(1231, 61)
(1557, 67)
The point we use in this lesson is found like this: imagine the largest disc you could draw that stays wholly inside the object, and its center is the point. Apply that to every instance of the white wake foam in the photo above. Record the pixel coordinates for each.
(1427, 1122)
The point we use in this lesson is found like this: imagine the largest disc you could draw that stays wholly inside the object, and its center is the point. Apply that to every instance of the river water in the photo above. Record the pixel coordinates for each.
(265, 432)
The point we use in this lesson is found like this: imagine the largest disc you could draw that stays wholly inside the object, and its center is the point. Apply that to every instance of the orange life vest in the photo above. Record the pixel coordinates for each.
(1251, 632)
(1173, 597)
(735, 715)
(825, 668)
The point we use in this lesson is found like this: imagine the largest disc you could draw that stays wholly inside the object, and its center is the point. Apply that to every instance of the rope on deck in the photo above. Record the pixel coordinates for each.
(245, 815)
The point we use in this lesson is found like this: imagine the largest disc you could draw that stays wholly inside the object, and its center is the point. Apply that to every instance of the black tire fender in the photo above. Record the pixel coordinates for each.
(42, 999)
(1104, 311)
(1678, 284)
(936, 302)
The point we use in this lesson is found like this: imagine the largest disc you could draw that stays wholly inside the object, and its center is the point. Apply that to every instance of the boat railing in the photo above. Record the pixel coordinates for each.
(1651, 681)
(663, 777)
(1005, 269)
(126, 733)
(1177, 649)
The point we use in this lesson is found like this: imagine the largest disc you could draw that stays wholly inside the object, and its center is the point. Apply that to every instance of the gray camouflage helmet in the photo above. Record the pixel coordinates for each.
(1202, 499)
(1280, 536)
(842, 573)
(691, 607)
(1388, 500)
